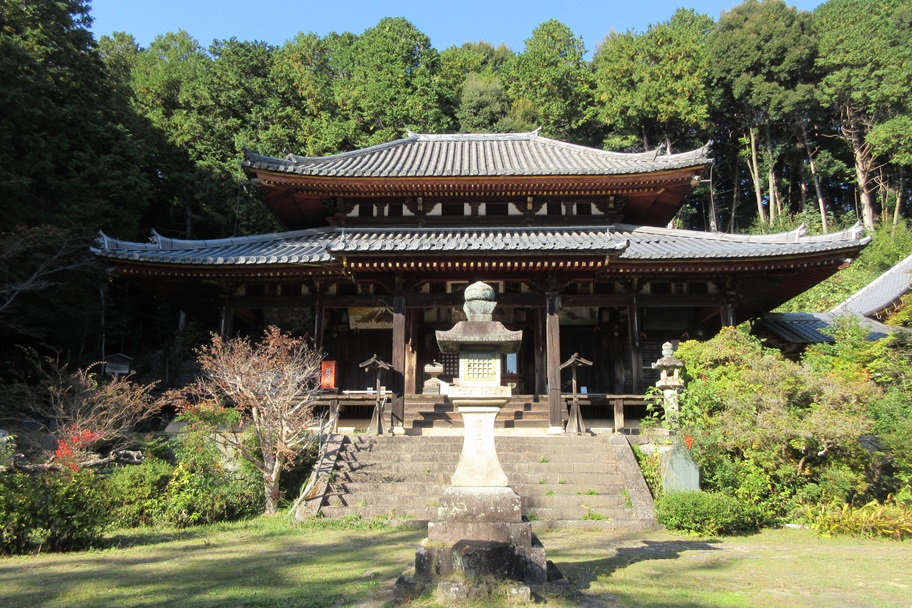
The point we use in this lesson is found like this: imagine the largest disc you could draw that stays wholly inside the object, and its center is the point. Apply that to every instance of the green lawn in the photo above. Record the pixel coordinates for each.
(264, 563)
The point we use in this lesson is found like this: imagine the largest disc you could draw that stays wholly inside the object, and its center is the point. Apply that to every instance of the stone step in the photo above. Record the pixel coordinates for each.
(595, 513)
(515, 461)
(573, 482)
(422, 515)
(560, 479)
(424, 486)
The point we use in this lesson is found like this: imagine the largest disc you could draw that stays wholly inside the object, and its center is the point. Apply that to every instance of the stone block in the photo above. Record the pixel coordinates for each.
(679, 471)
(480, 505)
(517, 533)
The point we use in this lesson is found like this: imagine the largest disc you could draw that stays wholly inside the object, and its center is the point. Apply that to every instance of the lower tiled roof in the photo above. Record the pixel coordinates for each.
(325, 245)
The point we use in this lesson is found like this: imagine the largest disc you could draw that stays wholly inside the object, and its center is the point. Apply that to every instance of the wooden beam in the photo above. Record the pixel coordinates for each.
(552, 338)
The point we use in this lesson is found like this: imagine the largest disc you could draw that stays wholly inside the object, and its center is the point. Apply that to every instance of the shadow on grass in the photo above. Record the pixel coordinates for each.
(203, 568)
(583, 573)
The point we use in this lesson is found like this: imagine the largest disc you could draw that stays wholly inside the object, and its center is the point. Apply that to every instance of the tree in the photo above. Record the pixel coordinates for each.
(552, 77)
(867, 71)
(269, 387)
(652, 89)
(762, 54)
(66, 155)
(84, 411)
(393, 84)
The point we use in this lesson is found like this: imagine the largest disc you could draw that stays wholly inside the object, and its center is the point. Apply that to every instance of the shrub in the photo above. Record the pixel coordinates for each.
(706, 513)
(873, 520)
(57, 511)
(138, 492)
(651, 468)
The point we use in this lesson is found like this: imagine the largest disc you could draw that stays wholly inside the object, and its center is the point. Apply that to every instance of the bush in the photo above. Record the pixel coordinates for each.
(873, 520)
(650, 465)
(53, 512)
(138, 493)
(706, 513)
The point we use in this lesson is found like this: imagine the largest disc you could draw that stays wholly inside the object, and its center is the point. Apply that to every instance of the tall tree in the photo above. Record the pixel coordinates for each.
(762, 54)
(867, 72)
(66, 157)
(394, 83)
(652, 89)
(552, 78)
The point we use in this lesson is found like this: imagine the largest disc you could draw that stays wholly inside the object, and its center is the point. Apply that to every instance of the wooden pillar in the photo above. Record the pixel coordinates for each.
(633, 333)
(552, 338)
(541, 366)
(411, 354)
(318, 322)
(226, 320)
(727, 312)
(397, 415)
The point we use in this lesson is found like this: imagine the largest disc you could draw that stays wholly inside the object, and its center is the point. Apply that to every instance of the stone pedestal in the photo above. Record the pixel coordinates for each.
(479, 535)
(478, 464)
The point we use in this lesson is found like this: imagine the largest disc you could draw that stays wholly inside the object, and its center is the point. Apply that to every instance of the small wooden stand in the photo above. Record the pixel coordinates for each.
(377, 365)
(575, 425)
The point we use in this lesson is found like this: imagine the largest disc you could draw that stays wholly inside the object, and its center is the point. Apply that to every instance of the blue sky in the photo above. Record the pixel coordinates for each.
(446, 22)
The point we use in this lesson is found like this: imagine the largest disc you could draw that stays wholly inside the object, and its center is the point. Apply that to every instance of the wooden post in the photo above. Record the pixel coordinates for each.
(398, 384)
(633, 333)
(411, 355)
(541, 366)
(552, 337)
(619, 415)
(318, 322)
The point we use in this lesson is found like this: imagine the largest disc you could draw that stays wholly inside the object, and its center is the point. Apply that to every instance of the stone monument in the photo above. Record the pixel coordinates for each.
(479, 534)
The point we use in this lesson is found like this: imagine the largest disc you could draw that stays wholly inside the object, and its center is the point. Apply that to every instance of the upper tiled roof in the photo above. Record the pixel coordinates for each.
(320, 246)
(462, 155)
(881, 293)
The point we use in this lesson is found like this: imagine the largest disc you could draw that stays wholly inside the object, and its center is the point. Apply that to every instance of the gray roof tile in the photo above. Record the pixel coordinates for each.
(319, 246)
(810, 327)
(880, 293)
(460, 155)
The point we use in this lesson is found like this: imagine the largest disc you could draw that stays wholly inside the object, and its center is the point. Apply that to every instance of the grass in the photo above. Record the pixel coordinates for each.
(354, 562)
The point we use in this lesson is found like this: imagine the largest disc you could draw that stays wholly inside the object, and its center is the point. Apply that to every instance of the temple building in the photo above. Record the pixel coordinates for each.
(382, 241)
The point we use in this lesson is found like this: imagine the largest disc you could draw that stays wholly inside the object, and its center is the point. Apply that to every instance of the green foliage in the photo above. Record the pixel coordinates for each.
(552, 79)
(892, 520)
(776, 433)
(652, 88)
(54, 512)
(204, 486)
(706, 513)
(650, 465)
(137, 493)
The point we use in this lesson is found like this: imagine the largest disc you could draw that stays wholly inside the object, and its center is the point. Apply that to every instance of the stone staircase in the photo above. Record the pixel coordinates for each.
(433, 412)
(564, 481)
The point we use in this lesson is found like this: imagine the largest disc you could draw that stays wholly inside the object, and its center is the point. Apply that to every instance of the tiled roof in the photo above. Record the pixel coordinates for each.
(302, 247)
(880, 293)
(651, 243)
(809, 327)
(461, 155)
(320, 246)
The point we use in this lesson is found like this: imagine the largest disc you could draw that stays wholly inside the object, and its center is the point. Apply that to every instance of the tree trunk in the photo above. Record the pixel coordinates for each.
(821, 202)
(271, 487)
(853, 133)
(899, 199)
(775, 210)
(753, 166)
(736, 194)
